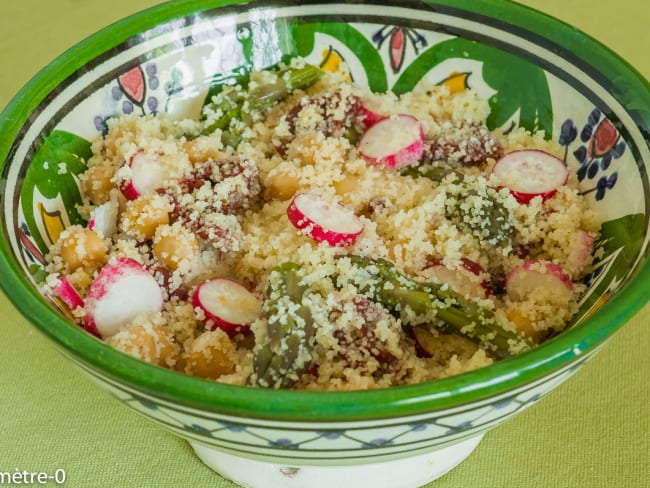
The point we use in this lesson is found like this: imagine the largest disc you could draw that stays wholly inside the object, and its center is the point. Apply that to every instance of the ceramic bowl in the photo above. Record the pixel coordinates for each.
(537, 73)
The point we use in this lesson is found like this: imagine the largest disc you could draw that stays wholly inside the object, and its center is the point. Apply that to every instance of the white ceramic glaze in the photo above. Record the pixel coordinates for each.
(409, 472)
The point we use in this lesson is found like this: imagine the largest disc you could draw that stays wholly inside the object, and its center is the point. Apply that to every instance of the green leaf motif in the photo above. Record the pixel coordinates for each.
(303, 37)
(625, 234)
(622, 239)
(519, 85)
(52, 172)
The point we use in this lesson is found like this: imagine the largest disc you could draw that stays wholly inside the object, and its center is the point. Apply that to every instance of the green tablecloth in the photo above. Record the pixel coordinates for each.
(593, 431)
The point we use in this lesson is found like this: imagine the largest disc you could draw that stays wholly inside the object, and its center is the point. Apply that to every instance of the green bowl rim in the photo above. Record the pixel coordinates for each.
(245, 402)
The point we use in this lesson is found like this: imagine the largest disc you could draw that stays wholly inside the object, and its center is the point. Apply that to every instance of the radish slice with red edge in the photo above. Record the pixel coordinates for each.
(468, 280)
(369, 114)
(68, 294)
(103, 218)
(529, 173)
(146, 176)
(227, 304)
(393, 142)
(579, 252)
(324, 221)
(123, 289)
(533, 275)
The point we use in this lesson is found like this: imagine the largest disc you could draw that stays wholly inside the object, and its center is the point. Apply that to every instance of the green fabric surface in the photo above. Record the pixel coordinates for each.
(593, 431)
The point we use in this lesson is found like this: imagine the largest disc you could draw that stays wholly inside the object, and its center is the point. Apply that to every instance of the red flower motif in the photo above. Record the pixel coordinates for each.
(398, 40)
(603, 140)
(397, 49)
(133, 85)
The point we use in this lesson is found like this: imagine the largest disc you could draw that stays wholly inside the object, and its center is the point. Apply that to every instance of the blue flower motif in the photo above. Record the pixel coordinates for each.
(283, 443)
(568, 133)
(331, 435)
(460, 427)
(594, 117)
(129, 92)
(100, 124)
(116, 93)
(606, 161)
(147, 404)
(602, 145)
(419, 427)
(581, 154)
(586, 133)
(152, 104)
(502, 403)
(198, 429)
(618, 150)
(233, 427)
(380, 442)
(605, 183)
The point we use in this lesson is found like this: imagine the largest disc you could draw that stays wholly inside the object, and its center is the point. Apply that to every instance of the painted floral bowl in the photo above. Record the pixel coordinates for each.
(537, 73)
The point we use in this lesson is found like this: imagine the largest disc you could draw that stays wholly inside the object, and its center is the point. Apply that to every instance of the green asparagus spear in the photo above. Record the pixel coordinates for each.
(240, 103)
(435, 171)
(263, 97)
(382, 282)
(285, 355)
(481, 214)
(228, 105)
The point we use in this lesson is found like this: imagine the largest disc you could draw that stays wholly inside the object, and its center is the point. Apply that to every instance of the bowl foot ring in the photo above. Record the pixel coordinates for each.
(409, 472)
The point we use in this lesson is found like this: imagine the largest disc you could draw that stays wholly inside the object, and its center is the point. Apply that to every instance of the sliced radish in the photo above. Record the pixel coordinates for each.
(529, 173)
(227, 304)
(103, 218)
(324, 221)
(68, 294)
(468, 280)
(579, 252)
(538, 274)
(369, 113)
(123, 289)
(147, 175)
(394, 142)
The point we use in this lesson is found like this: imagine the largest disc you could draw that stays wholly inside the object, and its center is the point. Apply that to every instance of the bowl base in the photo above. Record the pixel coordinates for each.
(409, 472)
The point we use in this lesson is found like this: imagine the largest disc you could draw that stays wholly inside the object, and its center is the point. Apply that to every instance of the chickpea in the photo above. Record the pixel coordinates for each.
(201, 149)
(148, 342)
(181, 364)
(349, 184)
(305, 147)
(211, 355)
(143, 215)
(82, 248)
(524, 324)
(173, 244)
(314, 148)
(98, 183)
(281, 185)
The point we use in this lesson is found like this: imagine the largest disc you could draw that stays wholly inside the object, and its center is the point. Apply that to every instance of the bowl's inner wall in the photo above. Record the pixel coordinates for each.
(173, 71)
(171, 67)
